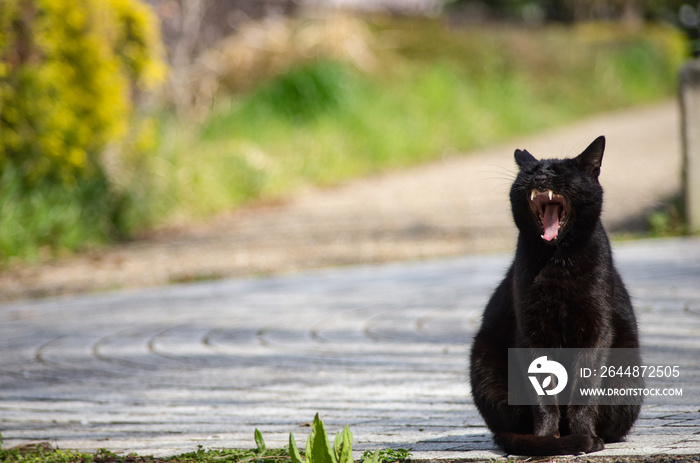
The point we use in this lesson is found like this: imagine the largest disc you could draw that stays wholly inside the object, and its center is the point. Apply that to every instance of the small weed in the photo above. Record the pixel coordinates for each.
(388, 455)
(668, 220)
(195, 277)
(319, 450)
(258, 455)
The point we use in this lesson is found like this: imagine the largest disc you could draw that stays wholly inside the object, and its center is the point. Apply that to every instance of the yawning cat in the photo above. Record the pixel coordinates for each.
(561, 291)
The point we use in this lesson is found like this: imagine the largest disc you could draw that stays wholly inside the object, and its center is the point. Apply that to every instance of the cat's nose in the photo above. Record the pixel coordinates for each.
(540, 179)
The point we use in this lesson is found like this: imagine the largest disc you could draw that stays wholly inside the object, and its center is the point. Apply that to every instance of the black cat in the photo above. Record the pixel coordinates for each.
(562, 291)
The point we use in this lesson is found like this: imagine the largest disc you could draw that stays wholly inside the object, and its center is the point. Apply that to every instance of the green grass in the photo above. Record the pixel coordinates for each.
(53, 218)
(436, 88)
(318, 450)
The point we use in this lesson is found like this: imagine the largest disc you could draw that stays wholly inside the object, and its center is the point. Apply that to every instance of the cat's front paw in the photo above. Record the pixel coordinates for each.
(587, 443)
(597, 444)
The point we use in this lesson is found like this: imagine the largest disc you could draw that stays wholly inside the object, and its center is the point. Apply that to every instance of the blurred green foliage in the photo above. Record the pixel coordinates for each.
(435, 89)
(77, 166)
(303, 93)
(570, 10)
(667, 220)
(68, 71)
(683, 14)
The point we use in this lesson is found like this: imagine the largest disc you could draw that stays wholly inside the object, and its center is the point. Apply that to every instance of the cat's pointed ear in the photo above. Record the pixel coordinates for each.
(523, 157)
(592, 157)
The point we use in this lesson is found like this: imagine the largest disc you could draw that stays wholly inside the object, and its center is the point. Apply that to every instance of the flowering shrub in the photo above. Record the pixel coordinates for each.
(68, 73)
(66, 79)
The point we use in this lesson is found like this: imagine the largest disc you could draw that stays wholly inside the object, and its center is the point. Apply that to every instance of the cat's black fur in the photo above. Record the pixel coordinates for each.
(562, 290)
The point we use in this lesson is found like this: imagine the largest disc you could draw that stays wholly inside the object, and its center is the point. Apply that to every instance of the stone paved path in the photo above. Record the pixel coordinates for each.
(381, 348)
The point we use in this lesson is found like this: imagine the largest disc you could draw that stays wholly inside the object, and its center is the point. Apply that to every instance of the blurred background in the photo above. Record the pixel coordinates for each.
(122, 116)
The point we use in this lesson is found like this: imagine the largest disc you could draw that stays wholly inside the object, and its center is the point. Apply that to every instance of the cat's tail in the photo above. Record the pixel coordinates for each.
(531, 445)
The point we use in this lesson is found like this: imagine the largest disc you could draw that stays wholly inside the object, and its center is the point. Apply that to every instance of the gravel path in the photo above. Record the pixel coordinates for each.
(451, 207)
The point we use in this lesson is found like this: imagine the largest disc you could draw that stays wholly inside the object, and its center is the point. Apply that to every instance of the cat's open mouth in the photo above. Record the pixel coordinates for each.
(551, 209)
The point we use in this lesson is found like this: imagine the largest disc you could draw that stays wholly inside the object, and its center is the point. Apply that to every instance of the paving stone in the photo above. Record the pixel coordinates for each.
(381, 348)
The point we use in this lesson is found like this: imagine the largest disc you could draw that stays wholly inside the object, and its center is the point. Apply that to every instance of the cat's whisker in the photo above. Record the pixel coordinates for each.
(503, 179)
(500, 173)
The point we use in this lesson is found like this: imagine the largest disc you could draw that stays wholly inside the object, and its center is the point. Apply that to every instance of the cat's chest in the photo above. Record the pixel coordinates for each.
(560, 308)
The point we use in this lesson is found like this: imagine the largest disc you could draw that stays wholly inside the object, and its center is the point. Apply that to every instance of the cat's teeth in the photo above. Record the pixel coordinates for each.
(550, 193)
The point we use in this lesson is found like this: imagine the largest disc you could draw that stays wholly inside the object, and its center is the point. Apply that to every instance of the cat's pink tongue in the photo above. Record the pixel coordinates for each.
(550, 221)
